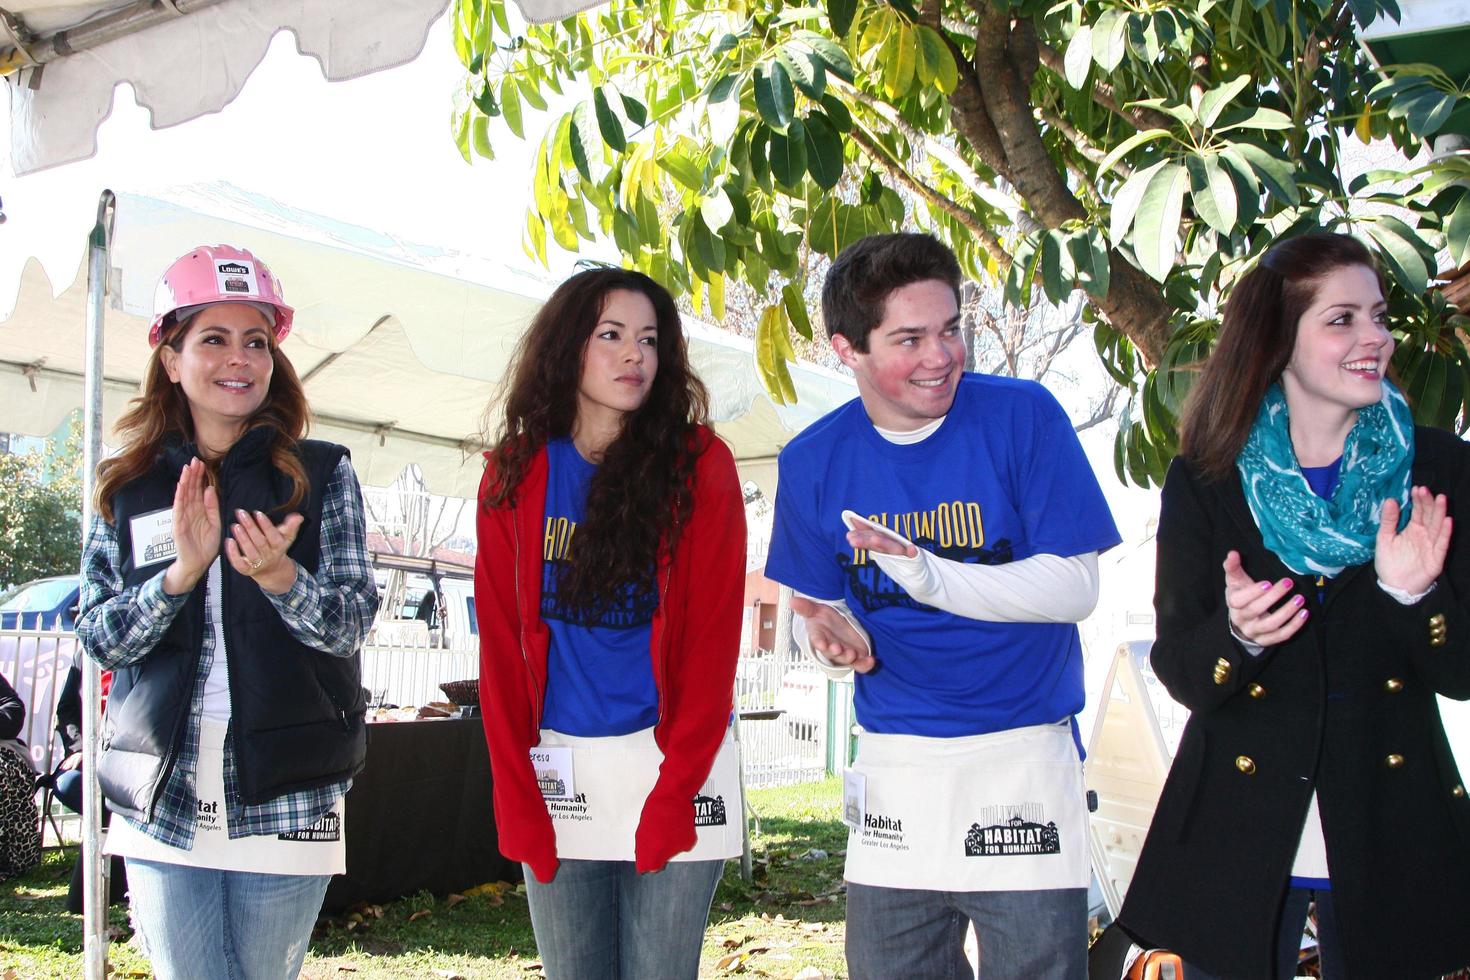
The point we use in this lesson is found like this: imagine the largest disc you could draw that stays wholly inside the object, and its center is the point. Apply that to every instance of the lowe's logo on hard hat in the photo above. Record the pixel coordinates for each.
(235, 276)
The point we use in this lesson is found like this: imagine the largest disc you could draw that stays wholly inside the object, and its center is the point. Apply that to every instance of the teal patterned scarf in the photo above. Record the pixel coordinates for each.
(1309, 534)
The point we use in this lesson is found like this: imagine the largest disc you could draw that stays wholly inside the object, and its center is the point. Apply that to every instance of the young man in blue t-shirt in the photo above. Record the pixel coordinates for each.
(942, 533)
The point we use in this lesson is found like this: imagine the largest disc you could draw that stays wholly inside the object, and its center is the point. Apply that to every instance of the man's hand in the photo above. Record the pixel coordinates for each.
(832, 636)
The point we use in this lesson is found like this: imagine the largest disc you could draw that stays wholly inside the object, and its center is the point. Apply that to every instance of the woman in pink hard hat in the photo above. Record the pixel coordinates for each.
(227, 585)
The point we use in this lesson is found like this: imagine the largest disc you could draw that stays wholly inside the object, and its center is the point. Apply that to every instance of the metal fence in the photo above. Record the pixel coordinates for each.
(35, 662)
(783, 701)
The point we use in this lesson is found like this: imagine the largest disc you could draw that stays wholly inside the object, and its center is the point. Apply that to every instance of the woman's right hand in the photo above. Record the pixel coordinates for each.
(1254, 613)
(196, 529)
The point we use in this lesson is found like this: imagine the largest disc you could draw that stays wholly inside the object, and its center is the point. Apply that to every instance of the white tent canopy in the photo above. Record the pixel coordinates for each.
(185, 58)
(399, 346)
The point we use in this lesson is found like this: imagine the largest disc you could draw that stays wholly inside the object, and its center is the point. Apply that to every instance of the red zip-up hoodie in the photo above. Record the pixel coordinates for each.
(695, 644)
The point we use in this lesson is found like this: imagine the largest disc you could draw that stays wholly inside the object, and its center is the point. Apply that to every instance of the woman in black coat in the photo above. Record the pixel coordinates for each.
(1311, 604)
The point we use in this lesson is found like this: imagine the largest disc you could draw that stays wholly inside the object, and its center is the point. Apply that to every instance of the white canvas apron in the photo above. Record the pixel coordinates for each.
(999, 812)
(610, 780)
(318, 850)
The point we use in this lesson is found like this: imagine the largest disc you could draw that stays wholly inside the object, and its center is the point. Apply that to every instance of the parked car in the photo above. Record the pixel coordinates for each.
(40, 603)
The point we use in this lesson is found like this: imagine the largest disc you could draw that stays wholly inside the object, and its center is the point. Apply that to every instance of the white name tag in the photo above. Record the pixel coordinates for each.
(854, 798)
(153, 538)
(553, 765)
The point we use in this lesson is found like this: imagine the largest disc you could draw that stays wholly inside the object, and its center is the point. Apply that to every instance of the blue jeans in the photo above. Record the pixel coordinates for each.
(69, 789)
(919, 934)
(224, 925)
(602, 920)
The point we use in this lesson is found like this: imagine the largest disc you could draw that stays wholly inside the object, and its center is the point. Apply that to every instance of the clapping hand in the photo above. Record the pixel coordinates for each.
(832, 636)
(1253, 606)
(196, 529)
(1411, 559)
(257, 549)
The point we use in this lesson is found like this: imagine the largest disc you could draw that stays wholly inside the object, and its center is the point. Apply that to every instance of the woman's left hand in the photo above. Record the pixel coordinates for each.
(1412, 559)
(257, 549)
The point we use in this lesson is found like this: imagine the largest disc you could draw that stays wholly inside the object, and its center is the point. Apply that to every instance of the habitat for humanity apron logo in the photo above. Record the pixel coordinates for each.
(883, 831)
(709, 811)
(1005, 830)
(328, 828)
(574, 808)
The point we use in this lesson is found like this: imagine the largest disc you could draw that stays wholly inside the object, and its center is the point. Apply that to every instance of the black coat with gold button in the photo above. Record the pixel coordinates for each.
(1346, 706)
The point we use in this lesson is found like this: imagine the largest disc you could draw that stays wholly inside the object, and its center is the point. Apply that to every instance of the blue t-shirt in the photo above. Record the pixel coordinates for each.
(599, 673)
(1003, 478)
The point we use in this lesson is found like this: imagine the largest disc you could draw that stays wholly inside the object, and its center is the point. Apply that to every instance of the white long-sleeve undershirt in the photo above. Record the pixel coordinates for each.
(1039, 589)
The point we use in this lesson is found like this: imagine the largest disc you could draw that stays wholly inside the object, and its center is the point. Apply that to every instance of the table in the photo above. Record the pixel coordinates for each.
(419, 816)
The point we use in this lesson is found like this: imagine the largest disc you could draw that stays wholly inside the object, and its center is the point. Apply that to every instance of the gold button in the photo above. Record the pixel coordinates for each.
(1459, 791)
(1393, 685)
(1437, 640)
(1436, 621)
(1394, 761)
(1222, 670)
(1246, 764)
(1256, 691)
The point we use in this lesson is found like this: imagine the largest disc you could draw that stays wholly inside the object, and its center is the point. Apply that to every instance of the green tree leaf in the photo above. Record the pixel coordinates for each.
(608, 123)
(1156, 229)
(1078, 59)
(1212, 191)
(774, 96)
(510, 106)
(788, 154)
(823, 150)
(839, 15)
(1214, 102)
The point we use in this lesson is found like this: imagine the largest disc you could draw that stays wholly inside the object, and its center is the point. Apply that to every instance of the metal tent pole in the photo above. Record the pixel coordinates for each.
(94, 893)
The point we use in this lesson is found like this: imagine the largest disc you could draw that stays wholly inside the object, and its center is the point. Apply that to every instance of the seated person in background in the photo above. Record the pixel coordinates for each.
(66, 778)
(20, 831)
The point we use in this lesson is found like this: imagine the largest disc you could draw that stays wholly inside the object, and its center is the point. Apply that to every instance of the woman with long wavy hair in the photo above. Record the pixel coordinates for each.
(235, 721)
(608, 590)
(1311, 602)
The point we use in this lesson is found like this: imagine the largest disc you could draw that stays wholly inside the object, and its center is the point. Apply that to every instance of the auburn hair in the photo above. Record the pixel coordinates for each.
(162, 410)
(641, 493)
(1256, 339)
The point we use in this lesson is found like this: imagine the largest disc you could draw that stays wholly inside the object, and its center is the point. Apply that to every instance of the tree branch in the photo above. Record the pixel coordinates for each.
(967, 218)
(1104, 94)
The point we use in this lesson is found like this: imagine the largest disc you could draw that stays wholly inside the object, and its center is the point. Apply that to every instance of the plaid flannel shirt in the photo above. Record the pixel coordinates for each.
(330, 611)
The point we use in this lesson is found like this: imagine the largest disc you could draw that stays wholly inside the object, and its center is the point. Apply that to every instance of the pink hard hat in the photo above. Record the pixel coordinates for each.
(217, 274)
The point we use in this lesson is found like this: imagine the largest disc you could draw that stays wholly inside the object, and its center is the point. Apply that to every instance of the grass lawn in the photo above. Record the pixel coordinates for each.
(788, 922)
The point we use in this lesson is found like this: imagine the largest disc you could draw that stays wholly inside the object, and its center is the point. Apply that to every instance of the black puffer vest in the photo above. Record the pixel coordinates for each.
(296, 713)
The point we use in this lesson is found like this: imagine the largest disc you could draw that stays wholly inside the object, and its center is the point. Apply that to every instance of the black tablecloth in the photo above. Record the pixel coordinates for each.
(419, 815)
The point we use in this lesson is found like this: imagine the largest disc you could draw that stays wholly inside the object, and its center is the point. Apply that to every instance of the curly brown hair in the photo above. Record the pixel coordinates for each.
(163, 410)
(641, 493)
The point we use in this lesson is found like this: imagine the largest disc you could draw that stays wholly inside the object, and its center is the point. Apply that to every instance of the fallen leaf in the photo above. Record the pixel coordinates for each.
(344, 968)
(730, 963)
(727, 906)
(419, 915)
(449, 975)
(810, 973)
(732, 943)
(451, 900)
(814, 927)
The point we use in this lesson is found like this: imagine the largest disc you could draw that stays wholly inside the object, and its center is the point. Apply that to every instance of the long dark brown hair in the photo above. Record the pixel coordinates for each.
(163, 410)
(640, 495)
(1256, 340)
